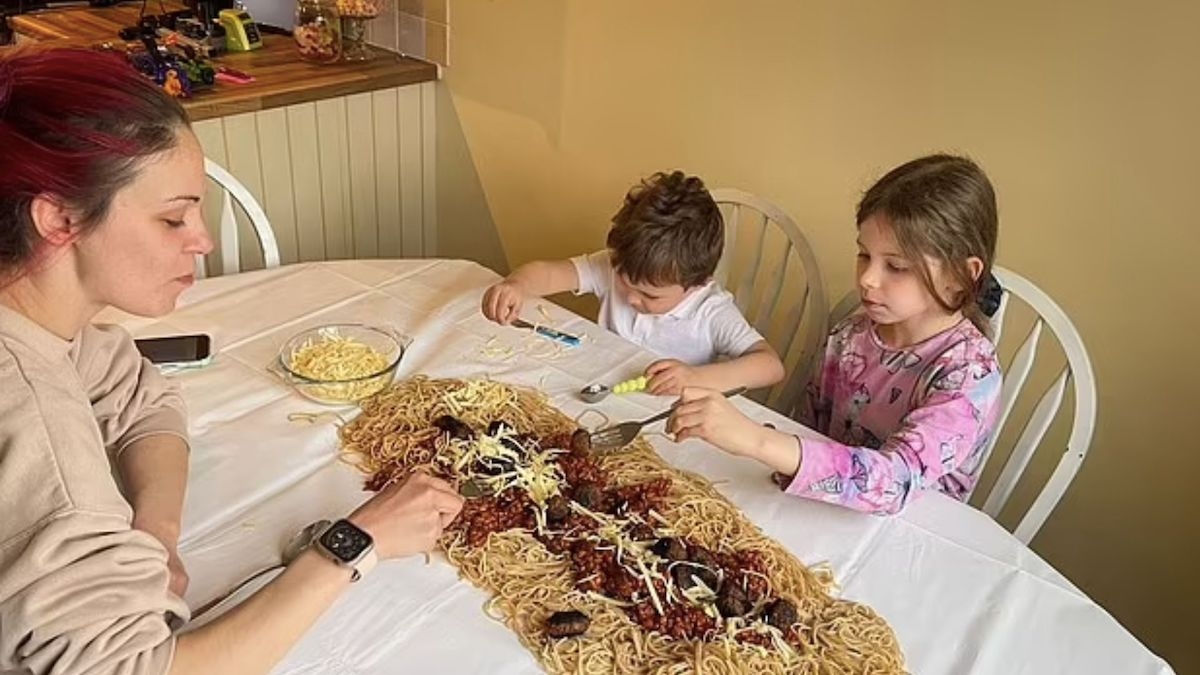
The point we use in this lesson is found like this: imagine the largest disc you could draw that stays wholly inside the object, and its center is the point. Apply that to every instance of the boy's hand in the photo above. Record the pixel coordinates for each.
(668, 377)
(707, 415)
(502, 303)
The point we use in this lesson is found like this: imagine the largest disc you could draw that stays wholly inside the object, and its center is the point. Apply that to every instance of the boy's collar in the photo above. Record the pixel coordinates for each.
(687, 306)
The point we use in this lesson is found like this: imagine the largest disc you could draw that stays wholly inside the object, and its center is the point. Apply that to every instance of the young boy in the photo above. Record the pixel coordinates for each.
(656, 290)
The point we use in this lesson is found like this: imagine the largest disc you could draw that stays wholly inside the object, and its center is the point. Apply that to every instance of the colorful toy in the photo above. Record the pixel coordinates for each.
(175, 83)
(630, 386)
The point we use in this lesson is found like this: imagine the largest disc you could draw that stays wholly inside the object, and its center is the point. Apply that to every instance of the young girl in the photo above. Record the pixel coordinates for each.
(908, 389)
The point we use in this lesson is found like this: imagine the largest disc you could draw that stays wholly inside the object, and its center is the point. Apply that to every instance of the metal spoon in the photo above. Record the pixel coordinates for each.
(594, 393)
(292, 550)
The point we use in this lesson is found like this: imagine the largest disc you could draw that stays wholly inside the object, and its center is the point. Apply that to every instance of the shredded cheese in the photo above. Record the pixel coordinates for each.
(342, 369)
(645, 574)
(336, 358)
(607, 600)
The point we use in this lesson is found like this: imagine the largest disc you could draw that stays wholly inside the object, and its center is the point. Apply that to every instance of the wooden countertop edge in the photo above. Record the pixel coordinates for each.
(231, 102)
(233, 99)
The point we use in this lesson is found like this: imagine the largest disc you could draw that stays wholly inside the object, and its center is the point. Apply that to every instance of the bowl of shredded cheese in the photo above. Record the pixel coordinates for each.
(341, 364)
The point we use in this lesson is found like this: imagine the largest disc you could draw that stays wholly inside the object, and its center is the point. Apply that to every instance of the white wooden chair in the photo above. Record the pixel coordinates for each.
(755, 270)
(1078, 371)
(233, 191)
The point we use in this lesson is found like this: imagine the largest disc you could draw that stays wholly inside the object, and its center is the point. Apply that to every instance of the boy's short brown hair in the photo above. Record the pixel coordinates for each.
(669, 231)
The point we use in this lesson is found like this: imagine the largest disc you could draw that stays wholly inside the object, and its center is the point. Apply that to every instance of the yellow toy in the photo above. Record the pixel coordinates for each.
(630, 386)
(594, 393)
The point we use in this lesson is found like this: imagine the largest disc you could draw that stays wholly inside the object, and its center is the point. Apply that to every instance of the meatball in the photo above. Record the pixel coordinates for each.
(581, 442)
(509, 437)
(781, 614)
(641, 532)
(493, 466)
(590, 496)
(732, 601)
(701, 556)
(685, 576)
(455, 427)
(499, 427)
(671, 549)
(706, 566)
(567, 624)
(557, 510)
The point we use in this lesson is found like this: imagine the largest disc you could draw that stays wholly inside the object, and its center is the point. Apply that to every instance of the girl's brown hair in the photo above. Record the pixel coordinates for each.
(943, 207)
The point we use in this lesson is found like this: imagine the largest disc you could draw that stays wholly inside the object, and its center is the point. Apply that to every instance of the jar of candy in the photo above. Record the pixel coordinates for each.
(355, 15)
(361, 9)
(318, 30)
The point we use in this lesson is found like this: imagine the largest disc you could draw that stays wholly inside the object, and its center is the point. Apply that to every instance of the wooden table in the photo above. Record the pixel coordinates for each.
(281, 77)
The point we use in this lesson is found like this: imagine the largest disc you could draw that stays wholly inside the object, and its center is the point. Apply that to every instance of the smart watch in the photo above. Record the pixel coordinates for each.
(348, 545)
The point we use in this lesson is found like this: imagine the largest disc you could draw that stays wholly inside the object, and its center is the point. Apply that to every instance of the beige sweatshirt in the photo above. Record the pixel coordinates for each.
(80, 592)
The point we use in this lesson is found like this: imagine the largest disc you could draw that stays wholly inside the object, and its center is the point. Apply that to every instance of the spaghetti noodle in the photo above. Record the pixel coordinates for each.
(592, 560)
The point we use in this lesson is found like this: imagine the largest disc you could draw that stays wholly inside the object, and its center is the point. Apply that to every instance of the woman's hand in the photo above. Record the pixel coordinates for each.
(408, 517)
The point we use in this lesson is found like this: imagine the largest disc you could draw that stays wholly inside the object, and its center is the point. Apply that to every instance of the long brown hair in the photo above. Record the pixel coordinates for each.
(942, 207)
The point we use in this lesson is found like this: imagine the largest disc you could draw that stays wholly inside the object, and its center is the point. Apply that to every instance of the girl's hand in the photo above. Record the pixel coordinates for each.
(669, 377)
(707, 415)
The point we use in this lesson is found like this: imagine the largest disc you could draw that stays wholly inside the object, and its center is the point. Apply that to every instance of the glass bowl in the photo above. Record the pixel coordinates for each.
(388, 343)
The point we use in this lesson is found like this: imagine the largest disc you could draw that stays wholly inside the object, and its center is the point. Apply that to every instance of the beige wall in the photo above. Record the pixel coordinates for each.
(1083, 113)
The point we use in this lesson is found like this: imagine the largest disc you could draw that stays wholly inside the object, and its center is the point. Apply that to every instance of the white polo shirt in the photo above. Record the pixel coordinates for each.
(704, 327)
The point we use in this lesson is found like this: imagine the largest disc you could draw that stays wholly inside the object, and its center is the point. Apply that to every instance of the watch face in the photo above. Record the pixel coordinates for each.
(345, 541)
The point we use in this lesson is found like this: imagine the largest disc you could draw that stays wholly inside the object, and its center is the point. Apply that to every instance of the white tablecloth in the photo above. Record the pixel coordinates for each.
(961, 593)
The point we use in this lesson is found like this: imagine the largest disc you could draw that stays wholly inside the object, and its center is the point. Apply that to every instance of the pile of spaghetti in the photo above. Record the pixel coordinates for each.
(611, 563)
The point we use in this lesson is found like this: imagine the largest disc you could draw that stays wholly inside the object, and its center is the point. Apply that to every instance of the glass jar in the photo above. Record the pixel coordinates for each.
(355, 15)
(318, 30)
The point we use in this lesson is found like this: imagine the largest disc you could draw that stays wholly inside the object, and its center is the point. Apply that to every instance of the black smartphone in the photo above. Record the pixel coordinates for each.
(177, 350)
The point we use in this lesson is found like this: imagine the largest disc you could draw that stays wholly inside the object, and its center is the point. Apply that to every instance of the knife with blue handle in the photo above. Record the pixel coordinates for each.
(558, 336)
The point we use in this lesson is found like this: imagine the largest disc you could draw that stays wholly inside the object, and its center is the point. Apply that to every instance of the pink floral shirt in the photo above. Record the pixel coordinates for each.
(901, 420)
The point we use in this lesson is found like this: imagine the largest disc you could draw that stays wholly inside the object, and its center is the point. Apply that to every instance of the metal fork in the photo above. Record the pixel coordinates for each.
(622, 434)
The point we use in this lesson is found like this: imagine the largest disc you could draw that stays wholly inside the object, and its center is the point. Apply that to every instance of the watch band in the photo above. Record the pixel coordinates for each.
(364, 565)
